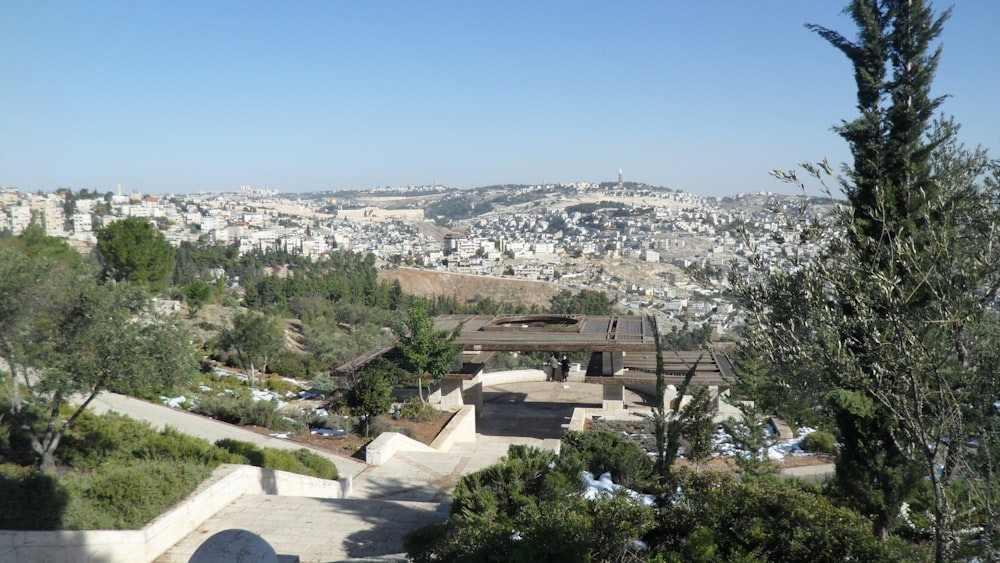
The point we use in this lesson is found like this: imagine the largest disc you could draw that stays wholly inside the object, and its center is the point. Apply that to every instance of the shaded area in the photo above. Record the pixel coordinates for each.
(513, 414)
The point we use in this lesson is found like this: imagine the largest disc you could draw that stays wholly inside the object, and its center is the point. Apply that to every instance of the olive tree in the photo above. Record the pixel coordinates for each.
(66, 338)
(255, 338)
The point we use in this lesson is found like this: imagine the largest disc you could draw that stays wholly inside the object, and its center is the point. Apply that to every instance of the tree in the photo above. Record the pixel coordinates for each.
(426, 352)
(197, 293)
(255, 338)
(586, 302)
(885, 327)
(133, 250)
(371, 395)
(67, 338)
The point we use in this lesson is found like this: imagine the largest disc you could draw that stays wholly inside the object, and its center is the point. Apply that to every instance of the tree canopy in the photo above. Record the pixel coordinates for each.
(890, 330)
(66, 337)
(134, 250)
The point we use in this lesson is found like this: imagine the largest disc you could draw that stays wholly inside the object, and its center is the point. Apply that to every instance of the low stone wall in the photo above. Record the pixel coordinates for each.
(226, 484)
(512, 376)
(381, 449)
(461, 428)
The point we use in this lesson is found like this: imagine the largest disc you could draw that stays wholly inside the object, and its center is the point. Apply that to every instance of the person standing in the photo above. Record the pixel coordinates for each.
(553, 367)
(565, 367)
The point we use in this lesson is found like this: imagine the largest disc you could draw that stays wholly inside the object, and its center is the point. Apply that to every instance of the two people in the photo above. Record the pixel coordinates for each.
(557, 367)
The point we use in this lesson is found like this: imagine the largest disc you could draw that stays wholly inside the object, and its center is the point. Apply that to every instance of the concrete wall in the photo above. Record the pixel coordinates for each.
(226, 484)
(461, 428)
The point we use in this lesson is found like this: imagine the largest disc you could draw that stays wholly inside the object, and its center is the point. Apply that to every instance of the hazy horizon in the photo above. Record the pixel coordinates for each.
(313, 96)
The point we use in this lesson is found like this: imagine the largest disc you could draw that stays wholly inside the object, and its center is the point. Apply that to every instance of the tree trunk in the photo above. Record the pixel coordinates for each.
(47, 456)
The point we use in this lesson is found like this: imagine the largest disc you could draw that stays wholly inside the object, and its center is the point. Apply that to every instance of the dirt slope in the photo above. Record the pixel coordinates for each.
(464, 287)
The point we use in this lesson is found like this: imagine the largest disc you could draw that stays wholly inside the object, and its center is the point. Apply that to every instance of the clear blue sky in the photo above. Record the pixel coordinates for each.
(183, 96)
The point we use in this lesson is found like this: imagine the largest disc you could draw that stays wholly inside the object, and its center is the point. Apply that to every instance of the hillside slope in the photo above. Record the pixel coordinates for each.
(465, 287)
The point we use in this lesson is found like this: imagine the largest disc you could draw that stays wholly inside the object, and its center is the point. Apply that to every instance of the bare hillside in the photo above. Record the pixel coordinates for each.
(427, 283)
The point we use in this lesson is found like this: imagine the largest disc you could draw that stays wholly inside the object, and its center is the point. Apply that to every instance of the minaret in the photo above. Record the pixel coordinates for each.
(621, 184)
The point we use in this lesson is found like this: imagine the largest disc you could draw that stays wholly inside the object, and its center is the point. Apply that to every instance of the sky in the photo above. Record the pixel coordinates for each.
(304, 96)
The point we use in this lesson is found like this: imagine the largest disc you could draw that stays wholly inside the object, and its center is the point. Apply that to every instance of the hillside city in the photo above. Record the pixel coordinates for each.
(653, 250)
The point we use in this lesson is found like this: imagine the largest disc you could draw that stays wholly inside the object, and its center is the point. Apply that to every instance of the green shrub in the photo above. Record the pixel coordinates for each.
(413, 409)
(601, 452)
(300, 461)
(244, 411)
(281, 386)
(247, 450)
(317, 465)
(290, 364)
(819, 442)
(171, 444)
(95, 440)
(30, 500)
(123, 497)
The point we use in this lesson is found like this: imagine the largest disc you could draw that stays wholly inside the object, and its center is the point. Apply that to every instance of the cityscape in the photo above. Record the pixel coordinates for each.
(653, 250)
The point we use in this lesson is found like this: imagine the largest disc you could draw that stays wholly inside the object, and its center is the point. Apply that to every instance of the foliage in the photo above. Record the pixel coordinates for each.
(886, 326)
(426, 352)
(300, 461)
(698, 426)
(528, 508)
(31, 500)
(371, 395)
(586, 302)
(244, 411)
(687, 338)
(121, 473)
(415, 410)
(605, 452)
(748, 433)
(197, 294)
(134, 250)
(64, 334)
(819, 442)
(715, 517)
(281, 386)
(35, 243)
(256, 338)
(128, 496)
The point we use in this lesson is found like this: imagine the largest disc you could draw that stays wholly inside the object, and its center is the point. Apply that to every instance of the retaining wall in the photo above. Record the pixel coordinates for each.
(461, 428)
(226, 484)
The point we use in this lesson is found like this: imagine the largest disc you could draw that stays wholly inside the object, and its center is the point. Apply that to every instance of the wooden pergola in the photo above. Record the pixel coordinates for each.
(626, 342)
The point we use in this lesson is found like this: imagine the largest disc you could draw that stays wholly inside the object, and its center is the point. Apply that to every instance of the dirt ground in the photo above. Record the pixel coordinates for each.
(351, 445)
(465, 287)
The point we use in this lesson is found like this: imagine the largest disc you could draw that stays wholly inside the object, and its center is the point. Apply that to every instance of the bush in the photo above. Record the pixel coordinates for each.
(244, 411)
(819, 442)
(31, 500)
(380, 425)
(119, 496)
(601, 452)
(281, 386)
(413, 409)
(301, 461)
(291, 364)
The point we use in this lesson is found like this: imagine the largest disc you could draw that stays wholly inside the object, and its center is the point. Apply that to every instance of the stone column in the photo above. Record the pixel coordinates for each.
(613, 363)
(614, 397)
